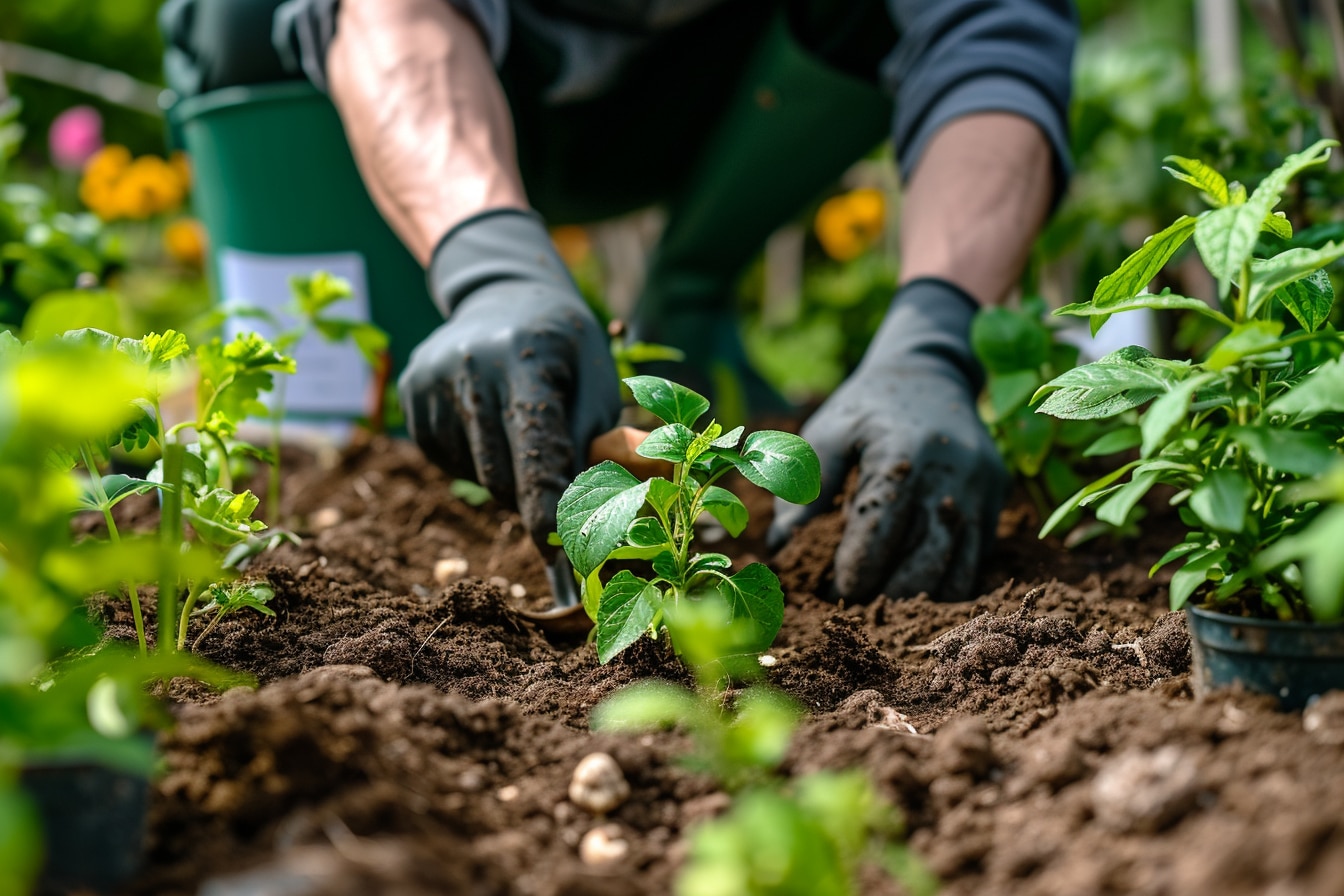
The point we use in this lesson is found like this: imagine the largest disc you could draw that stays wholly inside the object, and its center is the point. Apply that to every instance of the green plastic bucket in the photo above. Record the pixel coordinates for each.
(277, 190)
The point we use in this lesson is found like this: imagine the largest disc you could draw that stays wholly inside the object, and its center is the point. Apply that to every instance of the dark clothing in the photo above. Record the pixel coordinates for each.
(937, 60)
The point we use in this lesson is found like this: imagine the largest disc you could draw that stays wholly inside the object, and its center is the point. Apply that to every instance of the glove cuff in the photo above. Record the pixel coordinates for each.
(931, 317)
(491, 247)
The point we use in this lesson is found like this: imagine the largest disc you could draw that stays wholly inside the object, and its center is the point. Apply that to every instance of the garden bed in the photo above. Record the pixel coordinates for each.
(418, 736)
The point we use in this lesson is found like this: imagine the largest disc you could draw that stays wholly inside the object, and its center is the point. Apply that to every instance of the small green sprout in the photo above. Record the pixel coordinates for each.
(229, 598)
(609, 514)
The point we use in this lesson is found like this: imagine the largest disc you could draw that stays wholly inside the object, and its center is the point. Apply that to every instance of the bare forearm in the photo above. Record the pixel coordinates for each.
(425, 116)
(975, 202)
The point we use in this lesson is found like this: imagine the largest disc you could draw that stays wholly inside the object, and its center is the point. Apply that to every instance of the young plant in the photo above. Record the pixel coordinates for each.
(1020, 352)
(608, 514)
(1233, 433)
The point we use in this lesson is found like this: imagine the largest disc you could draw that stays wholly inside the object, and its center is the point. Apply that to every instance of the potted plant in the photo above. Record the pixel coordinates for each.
(1234, 435)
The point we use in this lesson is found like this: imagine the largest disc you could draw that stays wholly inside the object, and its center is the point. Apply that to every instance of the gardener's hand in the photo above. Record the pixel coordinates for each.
(512, 389)
(930, 479)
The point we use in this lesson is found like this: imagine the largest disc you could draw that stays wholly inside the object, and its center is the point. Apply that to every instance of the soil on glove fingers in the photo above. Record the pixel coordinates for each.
(413, 733)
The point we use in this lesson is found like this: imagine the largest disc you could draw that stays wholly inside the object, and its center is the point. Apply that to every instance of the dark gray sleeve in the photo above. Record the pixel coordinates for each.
(958, 57)
(303, 29)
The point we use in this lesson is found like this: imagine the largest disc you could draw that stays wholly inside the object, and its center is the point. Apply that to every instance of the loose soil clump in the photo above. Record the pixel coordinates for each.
(413, 733)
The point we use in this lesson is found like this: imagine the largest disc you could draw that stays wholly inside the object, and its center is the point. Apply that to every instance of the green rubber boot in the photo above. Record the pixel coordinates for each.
(793, 127)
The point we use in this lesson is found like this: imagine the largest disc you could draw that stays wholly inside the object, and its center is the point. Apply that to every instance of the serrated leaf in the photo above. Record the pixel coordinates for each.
(595, 512)
(1201, 176)
(1309, 300)
(1319, 392)
(754, 593)
(781, 463)
(727, 508)
(1270, 274)
(1118, 382)
(1222, 500)
(670, 443)
(624, 613)
(1226, 236)
(1138, 270)
(1297, 451)
(668, 401)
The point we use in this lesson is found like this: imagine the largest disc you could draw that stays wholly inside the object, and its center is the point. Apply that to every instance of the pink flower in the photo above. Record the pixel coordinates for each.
(75, 135)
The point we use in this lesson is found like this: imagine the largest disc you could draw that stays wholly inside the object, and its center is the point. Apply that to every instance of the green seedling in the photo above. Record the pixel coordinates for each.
(1233, 434)
(230, 598)
(608, 514)
(1020, 352)
(805, 836)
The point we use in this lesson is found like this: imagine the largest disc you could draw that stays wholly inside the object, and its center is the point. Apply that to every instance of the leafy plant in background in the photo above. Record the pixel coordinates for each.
(608, 514)
(1234, 433)
(1020, 352)
(807, 836)
(65, 692)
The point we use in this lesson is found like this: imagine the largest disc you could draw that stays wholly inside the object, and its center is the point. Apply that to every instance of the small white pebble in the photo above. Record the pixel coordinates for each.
(598, 784)
(449, 569)
(767, 660)
(324, 518)
(603, 845)
(518, 590)
(507, 794)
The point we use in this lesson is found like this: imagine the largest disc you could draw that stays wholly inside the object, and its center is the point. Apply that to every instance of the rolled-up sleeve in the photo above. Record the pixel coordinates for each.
(959, 57)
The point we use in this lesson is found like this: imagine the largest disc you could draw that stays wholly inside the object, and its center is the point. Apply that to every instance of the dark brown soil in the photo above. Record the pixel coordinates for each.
(418, 736)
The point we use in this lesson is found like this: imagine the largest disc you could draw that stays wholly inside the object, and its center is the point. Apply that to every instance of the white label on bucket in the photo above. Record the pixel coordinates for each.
(331, 380)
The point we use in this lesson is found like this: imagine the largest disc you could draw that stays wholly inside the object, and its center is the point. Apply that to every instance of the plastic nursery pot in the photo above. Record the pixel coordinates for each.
(1291, 661)
(93, 823)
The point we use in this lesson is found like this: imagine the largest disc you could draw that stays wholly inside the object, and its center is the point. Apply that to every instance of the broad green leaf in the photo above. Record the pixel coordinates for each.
(1309, 300)
(781, 463)
(1122, 380)
(1222, 500)
(1298, 451)
(702, 563)
(1005, 340)
(667, 566)
(1319, 392)
(1009, 391)
(669, 443)
(1167, 412)
(1176, 553)
(1251, 338)
(1116, 508)
(1318, 547)
(117, 487)
(647, 532)
(1278, 224)
(222, 517)
(728, 439)
(624, 613)
(1201, 176)
(1194, 573)
(57, 312)
(754, 593)
(1165, 301)
(596, 511)
(1062, 511)
(1270, 274)
(1029, 436)
(727, 508)
(668, 401)
(1138, 270)
(1226, 236)
(1115, 441)
(663, 494)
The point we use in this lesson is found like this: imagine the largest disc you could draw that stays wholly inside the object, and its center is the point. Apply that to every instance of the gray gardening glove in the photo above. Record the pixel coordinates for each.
(930, 479)
(512, 389)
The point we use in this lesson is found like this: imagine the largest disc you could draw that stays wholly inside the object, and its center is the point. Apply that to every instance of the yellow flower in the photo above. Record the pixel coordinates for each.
(107, 163)
(572, 243)
(184, 241)
(851, 223)
(116, 186)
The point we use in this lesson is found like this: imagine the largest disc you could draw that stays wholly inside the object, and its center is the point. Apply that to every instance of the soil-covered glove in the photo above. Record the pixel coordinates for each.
(931, 482)
(512, 388)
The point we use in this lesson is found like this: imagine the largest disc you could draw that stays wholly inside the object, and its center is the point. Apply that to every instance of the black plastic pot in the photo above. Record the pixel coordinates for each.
(93, 822)
(1292, 661)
